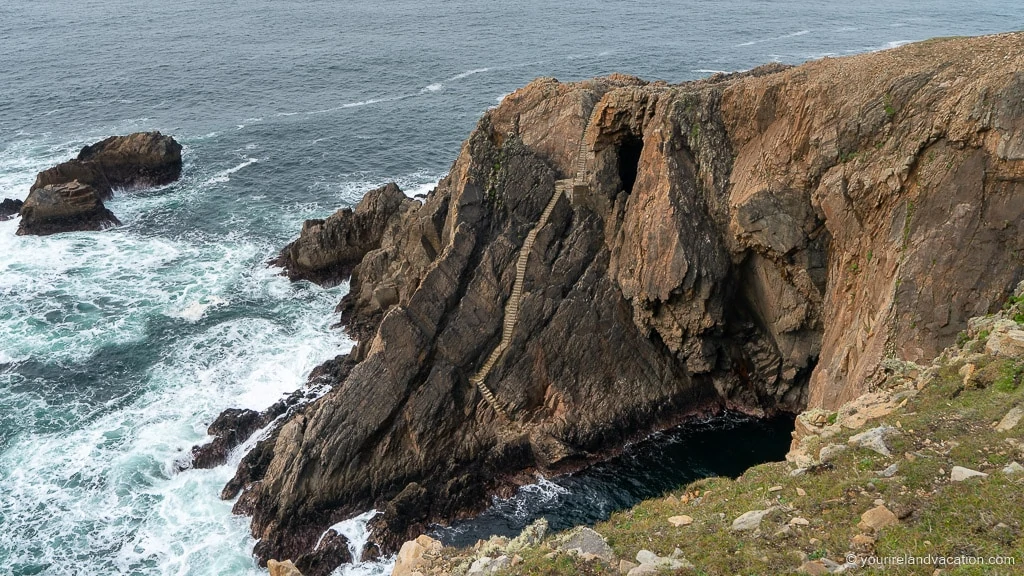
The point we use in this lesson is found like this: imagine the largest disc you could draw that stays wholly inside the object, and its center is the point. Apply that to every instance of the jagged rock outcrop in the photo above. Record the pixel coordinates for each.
(63, 208)
(759, 240)
(327, 250)
(9, 208)
(138, 160)
(69, 197)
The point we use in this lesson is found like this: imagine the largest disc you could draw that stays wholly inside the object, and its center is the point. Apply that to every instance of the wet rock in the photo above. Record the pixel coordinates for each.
(230, 429)
(403, 518)
(139, 160)
(65, 207)
(959, 474)
(874, 439)
(9, 209)
(330, 552)
(327, 250)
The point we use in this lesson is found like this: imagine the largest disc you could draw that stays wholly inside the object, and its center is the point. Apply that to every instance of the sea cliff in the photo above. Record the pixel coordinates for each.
(609, 256)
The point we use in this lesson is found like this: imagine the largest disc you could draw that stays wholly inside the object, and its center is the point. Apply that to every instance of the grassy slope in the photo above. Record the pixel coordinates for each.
(948, 423)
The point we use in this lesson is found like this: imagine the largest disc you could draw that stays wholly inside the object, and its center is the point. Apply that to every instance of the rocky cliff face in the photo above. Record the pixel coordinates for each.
(760, 240)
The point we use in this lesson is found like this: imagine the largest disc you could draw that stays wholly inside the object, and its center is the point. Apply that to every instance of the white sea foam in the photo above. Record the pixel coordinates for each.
(433, 87)
(469, 73)
(225, 175)
(105, 480)
(194, 311)
(773, 39)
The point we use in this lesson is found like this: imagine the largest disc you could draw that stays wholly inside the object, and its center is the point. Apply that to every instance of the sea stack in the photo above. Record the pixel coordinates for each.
(69, 197)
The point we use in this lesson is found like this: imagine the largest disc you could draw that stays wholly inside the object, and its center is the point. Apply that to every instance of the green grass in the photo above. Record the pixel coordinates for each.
(945, 425)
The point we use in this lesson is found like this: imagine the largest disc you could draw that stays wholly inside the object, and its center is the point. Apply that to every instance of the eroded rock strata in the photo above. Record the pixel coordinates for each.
(759, 240)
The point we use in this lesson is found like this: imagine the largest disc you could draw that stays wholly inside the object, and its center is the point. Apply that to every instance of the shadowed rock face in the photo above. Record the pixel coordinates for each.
(138, 160)
(760, 241)
(327, 250)
(64, 207)
(9, 209)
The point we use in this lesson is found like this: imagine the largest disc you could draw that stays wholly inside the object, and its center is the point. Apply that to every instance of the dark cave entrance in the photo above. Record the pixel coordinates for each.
(629, 161)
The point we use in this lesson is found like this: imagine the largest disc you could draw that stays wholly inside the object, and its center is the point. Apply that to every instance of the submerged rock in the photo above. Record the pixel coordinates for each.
(9, 209)
(64, 207)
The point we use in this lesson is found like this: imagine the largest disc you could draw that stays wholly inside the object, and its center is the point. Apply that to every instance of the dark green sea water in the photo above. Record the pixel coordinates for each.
(118, 348)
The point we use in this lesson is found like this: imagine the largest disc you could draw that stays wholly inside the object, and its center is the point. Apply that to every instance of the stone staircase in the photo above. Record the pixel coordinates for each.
(566, 187)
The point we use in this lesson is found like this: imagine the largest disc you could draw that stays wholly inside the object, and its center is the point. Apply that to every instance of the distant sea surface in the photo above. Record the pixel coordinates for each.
(118, 348)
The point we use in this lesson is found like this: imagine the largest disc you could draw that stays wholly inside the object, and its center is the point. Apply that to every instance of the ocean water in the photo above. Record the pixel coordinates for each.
(118, 348)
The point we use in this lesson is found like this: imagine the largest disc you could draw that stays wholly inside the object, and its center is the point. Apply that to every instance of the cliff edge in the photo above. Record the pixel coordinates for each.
(608, 256)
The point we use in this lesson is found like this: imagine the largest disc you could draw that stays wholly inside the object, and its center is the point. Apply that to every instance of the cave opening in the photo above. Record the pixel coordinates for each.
(629, 161)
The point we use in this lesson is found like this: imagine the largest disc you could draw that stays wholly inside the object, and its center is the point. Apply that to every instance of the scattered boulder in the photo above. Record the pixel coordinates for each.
(798, 521)
(66, 207)
(1010, 421)
(9, 208)
(874, 439)
(137, 160)
(889, 471)
(1013, 468)
(829, 453)
(959, 474)
(327, 250)
(877, 518)
(682, 520)
(588, 544)
(749, 520)
(651, 563)
(486, 566)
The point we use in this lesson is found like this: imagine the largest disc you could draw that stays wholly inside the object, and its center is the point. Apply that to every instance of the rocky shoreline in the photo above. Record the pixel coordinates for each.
(761, 241)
